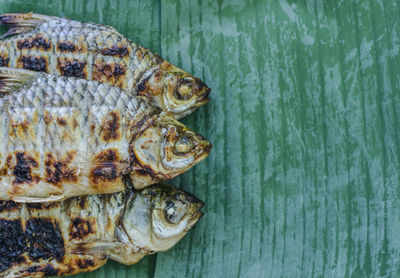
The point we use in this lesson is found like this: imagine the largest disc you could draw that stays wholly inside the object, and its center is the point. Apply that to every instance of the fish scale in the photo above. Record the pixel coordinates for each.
(95, 52)
(61, 142)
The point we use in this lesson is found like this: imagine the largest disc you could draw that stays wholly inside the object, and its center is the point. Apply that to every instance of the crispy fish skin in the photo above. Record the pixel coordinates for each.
(96, 52)
(62, 137)
(81, 233)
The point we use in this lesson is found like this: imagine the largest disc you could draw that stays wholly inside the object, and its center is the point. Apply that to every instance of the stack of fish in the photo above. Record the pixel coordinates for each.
(84, 112)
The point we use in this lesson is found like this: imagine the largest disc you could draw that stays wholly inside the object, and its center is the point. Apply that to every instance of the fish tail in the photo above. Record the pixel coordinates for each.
(21, 22)
(11, 79)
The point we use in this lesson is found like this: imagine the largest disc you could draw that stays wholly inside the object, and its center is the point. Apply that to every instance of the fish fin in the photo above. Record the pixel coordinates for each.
(95, 247)
(21, 22)
(51, 198)
(11, 78)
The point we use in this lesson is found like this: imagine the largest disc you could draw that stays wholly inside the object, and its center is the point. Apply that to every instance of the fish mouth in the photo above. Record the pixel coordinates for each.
(203, 97)
(207, 146)
(198, 214)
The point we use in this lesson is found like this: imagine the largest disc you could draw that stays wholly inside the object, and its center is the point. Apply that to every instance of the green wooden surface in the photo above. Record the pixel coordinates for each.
(303, 180)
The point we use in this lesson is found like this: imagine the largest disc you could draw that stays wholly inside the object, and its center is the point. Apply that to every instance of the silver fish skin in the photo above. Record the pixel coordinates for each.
(96, 52)
(63, 136)
(81, 233)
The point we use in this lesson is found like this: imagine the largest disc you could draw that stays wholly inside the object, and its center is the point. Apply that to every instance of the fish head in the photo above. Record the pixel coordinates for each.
(157, 217)
(173, 90)
(167, 148)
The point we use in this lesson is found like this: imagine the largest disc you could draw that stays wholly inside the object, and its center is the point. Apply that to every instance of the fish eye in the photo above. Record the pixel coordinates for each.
(184, 144)
(174, 211)
(184, 89)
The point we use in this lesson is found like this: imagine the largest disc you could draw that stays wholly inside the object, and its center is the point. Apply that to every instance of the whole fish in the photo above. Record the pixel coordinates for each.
(81, 233)
(64, 136)
(96, 52)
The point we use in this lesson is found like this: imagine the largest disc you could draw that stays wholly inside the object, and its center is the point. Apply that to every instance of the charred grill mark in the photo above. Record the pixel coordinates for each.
(85, 263)
(12, 243)
(118, 70)
(82, 227)
(110, 127)
(66, 47)
(44, 239)
(22, 170)
(110, 155)
(142, 86)
(106, 171)
(40, 206)
(105, 166)
(109, 73)
(4, 61)
(61, 121)
(47, 270)
(38, 42)
(35, 205)
(82, 203)
(8, 206)
(72, 67)
(58, 171)
(115, 51)
(34, 63)
(32, 269)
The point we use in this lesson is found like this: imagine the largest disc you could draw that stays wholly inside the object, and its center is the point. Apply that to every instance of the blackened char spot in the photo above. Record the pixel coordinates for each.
(85, 263)
(4, 61)
(61, 121)
(105, 168)
(110, 127)
(12, 243)
(59, 170)
(66, 47)
(44, 239)
(49, 270)
(22, 171)
(6, 206)
(118, 70)
(105, 171)
(32, 269)
(81, 227)
(72, 68)
(35, 205)
(115, 51)
(37, 42)
(143, 84)
(34, 63)
(41, 205)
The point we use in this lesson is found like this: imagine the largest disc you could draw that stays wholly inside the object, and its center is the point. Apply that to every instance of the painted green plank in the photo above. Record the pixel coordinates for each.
(303, 180)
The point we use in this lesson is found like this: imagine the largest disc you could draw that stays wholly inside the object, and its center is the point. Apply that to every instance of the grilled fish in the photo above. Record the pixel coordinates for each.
(96, 52)
(79, 234)
(64, 136)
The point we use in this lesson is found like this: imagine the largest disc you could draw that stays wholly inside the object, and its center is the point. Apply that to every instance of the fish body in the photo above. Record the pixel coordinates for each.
(81, 233)
(96, 52)
(62, 137)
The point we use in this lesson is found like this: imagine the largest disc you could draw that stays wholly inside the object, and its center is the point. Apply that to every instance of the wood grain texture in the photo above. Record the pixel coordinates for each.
(303, 180)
